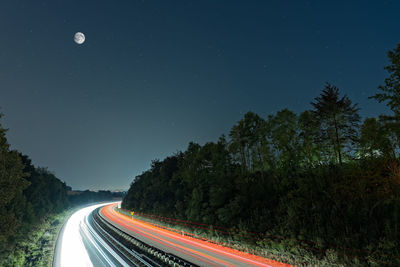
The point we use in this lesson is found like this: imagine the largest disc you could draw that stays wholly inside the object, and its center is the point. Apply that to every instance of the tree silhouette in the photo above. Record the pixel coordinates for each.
(390, 93)
(247, 140)
(339, 120)
(12, 182)
(375, 140)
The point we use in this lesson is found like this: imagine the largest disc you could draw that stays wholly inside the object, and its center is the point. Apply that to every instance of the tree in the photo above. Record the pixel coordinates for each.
(339, 121)
(375, 140)
(247, 140)
(391, 89)
(12, 182)
(309, 130)
(283, 133)
(390, 93)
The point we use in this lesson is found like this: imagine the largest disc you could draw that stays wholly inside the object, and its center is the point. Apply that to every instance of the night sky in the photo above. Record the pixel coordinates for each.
(155, 75)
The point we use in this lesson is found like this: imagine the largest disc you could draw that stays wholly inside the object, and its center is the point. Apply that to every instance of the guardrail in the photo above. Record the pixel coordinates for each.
(136, 249)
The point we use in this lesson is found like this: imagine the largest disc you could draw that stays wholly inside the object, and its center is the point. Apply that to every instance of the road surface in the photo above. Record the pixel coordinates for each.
(78, 244)
(191, 249)
(81, 243)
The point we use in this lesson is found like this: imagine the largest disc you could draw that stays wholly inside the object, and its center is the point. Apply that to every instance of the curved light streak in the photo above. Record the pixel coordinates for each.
(73, 251)
(191, 246)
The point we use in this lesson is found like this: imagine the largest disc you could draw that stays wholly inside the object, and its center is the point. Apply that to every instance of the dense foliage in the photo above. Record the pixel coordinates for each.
(318, 177)
(30, 197)
(26, 193)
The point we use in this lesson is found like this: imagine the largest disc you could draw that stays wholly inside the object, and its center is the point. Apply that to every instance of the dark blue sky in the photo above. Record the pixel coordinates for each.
(155, 75)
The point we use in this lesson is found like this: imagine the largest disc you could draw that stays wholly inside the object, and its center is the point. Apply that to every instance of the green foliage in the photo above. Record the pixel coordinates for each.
(247, 138)
(27, 196)
(308, 183)
(12, 183)
(34, 245)
(310, 151)
(390, 94)
(390, 91)
(376, 140)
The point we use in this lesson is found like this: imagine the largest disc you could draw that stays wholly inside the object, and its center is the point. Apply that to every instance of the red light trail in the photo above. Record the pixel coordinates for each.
(194, 250)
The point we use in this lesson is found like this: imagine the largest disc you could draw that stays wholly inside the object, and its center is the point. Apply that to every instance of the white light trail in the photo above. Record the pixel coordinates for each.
(73, 251)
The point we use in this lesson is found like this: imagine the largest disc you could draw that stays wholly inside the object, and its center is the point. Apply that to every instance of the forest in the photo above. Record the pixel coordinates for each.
(325, 178)
(31, 197)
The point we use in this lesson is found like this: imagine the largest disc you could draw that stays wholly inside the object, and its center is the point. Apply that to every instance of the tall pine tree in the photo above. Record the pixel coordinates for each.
(339, 121)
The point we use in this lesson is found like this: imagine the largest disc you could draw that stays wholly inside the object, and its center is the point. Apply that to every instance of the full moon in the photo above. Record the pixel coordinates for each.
(79, 38)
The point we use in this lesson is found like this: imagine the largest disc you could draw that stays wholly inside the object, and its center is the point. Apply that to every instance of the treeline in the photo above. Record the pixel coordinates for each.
(87, 196)
(27, 193)
(322, 176)
(28, 196)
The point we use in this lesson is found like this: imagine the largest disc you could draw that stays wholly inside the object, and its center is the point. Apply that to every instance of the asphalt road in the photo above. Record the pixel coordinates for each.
(191, 249)
(78, 244)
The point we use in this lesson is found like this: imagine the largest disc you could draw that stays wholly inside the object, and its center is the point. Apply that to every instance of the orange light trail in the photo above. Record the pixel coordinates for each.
(225, 255)
(162, 241)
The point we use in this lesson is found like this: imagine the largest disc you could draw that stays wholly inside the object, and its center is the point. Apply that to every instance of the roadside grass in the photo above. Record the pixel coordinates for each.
(286, 251)
(34, 245)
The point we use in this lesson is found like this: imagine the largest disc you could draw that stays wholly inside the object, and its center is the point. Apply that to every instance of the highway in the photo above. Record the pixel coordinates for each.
(193, 250)
(88, 238)
(78, 244)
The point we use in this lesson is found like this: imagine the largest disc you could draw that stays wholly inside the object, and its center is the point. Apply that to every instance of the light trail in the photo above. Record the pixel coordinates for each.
(80, 245)
(191, 249)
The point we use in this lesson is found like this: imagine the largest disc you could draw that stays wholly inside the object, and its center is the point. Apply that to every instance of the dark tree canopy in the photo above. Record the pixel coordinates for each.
(376, 140)
(390, 91)
(278, 176)
(390, 94)
(316, 176)
(339, 121)
(12, 183)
